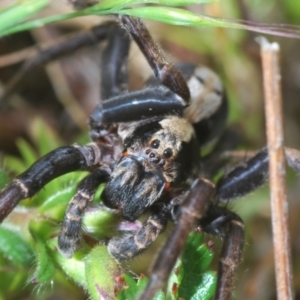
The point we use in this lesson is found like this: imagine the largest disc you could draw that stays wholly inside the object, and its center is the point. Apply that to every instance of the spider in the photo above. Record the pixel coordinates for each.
(146, 147)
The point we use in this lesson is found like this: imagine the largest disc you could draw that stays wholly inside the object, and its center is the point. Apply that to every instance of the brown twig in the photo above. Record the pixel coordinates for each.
(274, 128)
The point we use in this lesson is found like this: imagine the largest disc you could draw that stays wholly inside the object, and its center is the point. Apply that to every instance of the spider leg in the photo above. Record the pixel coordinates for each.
(251, 174)
(220, 221)
(230, 258)
(293, 158)
(69, 236)
(193, 208)
(134, 106)
(114, 71)
(172, 96)
(93, 36)
(244, 178)
(54, 164)
(129, 245)
(117, 106)
(163, 70)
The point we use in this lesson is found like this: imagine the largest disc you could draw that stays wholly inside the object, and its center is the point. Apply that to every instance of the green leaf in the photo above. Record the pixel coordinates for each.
(42, 228)
(56, 195)
(118, 4)
(175, 16)
(14, 164)
(39, 23)
(60, 197)
(101, 271)
(45, 135)
(3, 179)
(169, 15)
(28, 154)
(159, 296)
(163, 14)
(206, 289)
(98, 220)
(15, 248)
(135, 288)
(73, 267)
(195, 282)
(45, 268)
(132, 288)
(19, 12)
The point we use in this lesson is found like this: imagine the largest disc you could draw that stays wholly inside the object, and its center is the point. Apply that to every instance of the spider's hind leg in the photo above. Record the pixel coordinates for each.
(114, 77)
(114, 70)
(220, 221)
(69, 236)
(96, 34)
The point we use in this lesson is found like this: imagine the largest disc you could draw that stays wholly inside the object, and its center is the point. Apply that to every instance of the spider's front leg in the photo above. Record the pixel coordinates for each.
(54, 164)
(70, 233)
(170, 97)
(93, 36)
(163, 70)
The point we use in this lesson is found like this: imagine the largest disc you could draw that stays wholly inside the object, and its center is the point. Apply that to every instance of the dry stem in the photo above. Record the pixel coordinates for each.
(279, 205)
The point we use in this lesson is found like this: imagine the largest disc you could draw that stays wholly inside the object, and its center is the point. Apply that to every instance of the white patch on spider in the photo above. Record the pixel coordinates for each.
(84, 195)
(206, 95)
(179, 127)
(22, 186)
(73, 217)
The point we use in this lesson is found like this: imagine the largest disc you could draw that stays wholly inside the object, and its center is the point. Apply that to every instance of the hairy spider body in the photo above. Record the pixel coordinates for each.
(156, 154)
(146, 146)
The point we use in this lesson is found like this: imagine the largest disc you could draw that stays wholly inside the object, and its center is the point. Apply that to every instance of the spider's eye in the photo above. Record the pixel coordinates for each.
(155, 144)
(168, 153)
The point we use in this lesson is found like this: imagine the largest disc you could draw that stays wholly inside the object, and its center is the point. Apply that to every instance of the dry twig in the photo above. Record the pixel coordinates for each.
(279, 205)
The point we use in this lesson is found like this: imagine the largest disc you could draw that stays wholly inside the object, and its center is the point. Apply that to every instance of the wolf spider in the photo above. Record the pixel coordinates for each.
(146, 148)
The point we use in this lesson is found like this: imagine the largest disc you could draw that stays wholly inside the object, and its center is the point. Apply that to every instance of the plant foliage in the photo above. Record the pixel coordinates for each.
(13, 17)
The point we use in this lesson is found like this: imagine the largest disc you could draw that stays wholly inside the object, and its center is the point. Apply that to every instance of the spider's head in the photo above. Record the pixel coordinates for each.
(158, 153)
(166, 145)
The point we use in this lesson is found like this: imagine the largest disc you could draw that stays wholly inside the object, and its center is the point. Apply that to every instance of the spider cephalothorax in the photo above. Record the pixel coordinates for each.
(157, 154)
(146, 146)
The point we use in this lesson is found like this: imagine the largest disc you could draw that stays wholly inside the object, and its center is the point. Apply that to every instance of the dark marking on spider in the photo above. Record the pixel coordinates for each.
(146, 146)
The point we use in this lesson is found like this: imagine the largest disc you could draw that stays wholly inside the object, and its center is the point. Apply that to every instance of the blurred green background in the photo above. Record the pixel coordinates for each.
(64, 93)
